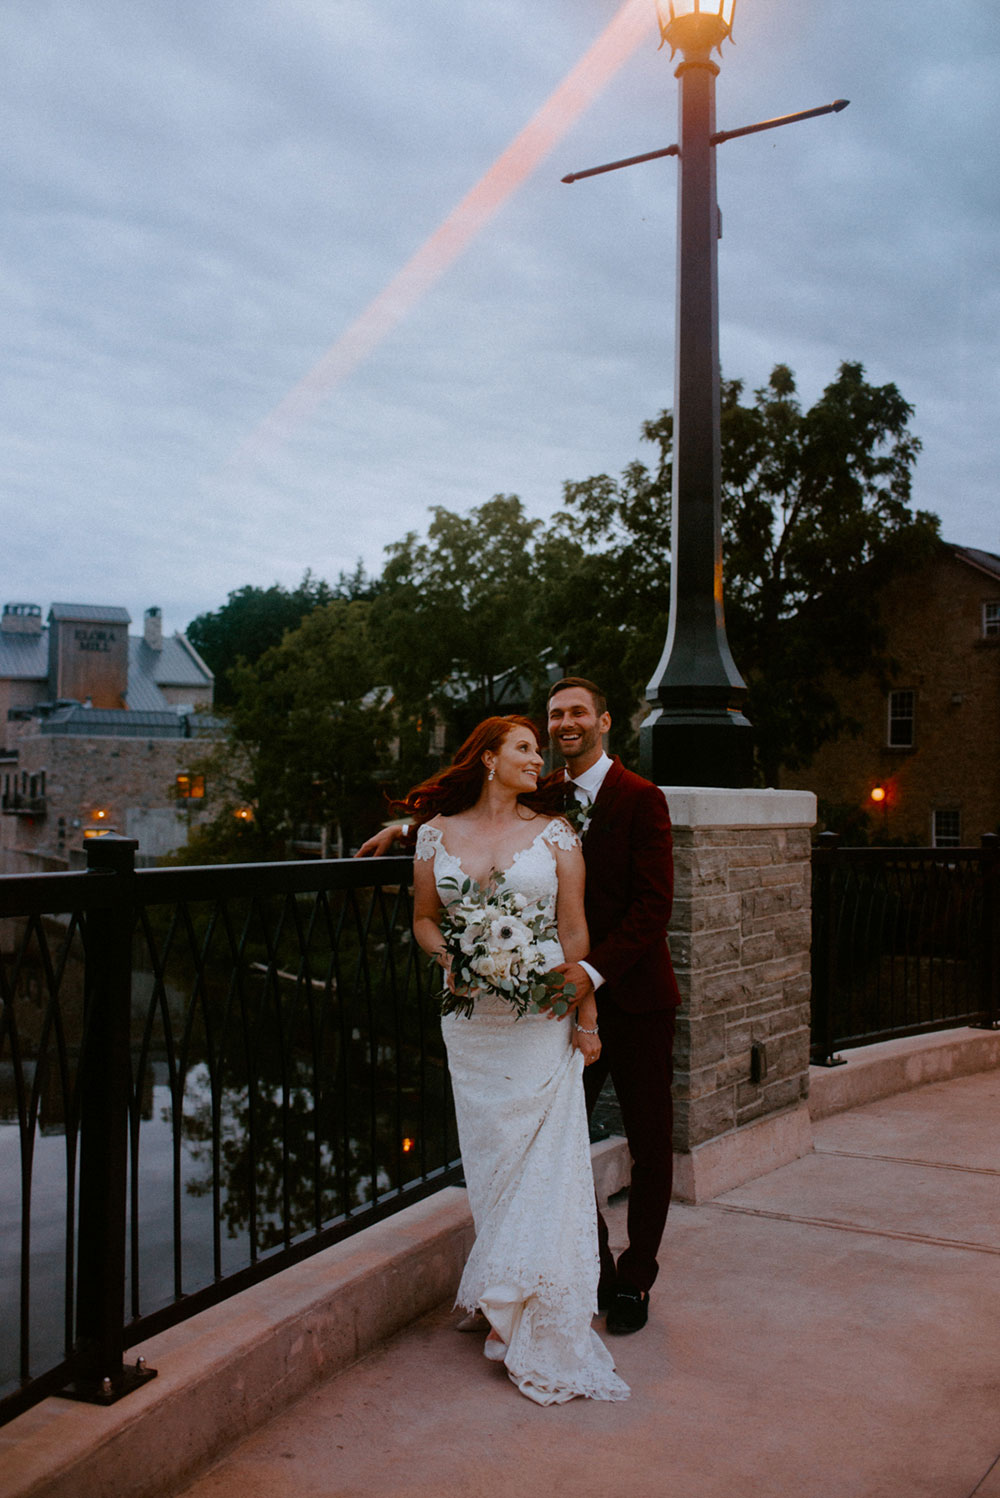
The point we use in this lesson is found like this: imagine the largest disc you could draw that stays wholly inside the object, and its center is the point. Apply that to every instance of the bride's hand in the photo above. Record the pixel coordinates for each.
(585, 1019)
(588, 1045)
(443, 960)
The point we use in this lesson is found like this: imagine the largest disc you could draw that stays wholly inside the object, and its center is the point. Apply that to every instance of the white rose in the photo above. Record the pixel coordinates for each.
(503, 962)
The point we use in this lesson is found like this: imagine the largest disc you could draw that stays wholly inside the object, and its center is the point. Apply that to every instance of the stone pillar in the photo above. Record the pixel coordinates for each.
(740, 937)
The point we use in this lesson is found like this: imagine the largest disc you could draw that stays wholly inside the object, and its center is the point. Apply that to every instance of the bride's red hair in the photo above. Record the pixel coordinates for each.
(458, 787)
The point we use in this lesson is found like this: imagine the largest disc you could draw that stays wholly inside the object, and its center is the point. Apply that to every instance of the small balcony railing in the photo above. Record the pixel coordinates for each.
(14, 804)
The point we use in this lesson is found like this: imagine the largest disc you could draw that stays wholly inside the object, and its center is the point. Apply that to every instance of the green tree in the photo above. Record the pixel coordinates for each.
(308, 734)
(816, 516)
(604, 587)
(253, 620)
(455, 618)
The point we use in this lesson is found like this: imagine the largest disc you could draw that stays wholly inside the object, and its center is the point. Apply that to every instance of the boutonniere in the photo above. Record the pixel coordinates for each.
(578, 816)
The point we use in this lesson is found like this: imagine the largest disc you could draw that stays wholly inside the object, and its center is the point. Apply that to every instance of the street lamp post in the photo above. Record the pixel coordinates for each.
(696, 733)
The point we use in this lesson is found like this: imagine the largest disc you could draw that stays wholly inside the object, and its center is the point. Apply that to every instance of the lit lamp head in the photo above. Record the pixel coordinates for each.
(877, 794)
(694, 27)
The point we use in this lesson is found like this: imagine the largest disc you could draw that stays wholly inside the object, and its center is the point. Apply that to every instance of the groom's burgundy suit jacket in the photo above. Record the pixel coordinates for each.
(628, 851)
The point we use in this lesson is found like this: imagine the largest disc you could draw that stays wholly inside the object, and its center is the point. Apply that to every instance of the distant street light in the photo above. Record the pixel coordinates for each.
(696, 733)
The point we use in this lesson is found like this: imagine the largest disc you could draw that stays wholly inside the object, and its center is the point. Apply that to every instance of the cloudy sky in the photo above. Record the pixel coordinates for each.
(239, 344)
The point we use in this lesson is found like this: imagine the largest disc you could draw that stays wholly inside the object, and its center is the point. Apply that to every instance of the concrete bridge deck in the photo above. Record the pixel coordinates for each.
(828, 1330)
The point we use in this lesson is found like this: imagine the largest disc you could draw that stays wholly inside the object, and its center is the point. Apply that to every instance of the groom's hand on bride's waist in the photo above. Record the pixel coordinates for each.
(577, 975)
(381, 845)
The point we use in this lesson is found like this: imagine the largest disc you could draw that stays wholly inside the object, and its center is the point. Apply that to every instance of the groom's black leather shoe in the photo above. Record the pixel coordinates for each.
(628, 1311)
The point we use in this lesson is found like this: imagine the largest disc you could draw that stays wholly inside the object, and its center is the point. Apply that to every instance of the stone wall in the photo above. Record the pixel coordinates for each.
(740, 939)
(130, 781)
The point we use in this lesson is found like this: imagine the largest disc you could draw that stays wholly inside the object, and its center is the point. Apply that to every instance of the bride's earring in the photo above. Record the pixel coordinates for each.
(493, 770)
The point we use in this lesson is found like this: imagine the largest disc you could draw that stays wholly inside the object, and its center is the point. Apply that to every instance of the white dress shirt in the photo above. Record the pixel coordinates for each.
(589, 783)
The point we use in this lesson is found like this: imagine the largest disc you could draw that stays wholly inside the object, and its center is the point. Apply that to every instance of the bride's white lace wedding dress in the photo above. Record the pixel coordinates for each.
(526, 1154)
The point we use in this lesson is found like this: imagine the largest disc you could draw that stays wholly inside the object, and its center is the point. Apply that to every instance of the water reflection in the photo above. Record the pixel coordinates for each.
(281, 1054)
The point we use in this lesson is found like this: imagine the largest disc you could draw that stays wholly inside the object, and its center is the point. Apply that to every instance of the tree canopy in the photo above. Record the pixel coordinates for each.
(307, 731)
(254, 619)
(473, 617)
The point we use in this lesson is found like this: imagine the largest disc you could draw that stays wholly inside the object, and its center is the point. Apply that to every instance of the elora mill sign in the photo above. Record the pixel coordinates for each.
(95, 639)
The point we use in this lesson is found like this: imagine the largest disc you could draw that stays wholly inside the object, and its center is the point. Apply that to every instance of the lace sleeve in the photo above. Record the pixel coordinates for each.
(561, 833)
(428, 842)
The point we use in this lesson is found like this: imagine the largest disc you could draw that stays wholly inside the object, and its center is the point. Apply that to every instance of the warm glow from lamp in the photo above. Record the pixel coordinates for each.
(878, 793)
(695, 26)
(409, 1145)
(100, 815)
(243, 814)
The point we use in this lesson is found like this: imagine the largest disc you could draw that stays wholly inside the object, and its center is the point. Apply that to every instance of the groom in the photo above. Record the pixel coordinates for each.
(628, 851)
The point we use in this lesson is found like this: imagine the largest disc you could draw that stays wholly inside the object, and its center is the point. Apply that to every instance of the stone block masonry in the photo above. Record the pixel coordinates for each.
(124, 783)
(740, 938)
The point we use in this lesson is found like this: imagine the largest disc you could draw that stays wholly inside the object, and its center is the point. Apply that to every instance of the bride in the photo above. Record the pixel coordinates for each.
(519, 1101)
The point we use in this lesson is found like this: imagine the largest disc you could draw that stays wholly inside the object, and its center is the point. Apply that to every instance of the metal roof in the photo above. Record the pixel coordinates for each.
(107, 722)
(176, 665)
(90, 613)
(24, 657)
(149, 670)
(986, 561)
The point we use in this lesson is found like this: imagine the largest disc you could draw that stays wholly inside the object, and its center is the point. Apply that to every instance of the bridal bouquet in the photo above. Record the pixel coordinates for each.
(493, 937)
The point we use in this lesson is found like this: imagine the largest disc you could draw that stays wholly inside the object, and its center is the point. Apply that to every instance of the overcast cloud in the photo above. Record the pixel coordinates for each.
(200, 197)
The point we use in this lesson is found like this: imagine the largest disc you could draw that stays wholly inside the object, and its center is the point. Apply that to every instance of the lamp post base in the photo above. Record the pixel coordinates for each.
(691, 748)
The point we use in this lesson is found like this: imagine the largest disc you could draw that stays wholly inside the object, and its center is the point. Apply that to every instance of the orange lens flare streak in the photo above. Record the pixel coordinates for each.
(616, 44)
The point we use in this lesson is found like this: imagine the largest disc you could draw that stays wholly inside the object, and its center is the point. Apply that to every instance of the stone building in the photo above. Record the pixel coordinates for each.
(97, 731)
(929, 745)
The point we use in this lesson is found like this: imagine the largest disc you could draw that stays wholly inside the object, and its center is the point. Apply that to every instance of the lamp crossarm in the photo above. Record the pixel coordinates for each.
(785, 119)
(612, 166)
(714, 140)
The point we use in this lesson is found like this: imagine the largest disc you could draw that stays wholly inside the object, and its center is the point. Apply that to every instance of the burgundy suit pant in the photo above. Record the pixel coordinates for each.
(637, 1052)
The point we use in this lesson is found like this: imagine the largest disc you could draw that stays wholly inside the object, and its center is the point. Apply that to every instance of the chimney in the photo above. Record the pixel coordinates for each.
(21, 619)
(152, 628)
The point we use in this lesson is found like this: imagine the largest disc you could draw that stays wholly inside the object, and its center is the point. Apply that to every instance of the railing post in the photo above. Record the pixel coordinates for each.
(824, 954)
(991, 931)
(99, 1374)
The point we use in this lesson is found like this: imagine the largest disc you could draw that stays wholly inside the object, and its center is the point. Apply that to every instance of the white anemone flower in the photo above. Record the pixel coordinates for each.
(508, 934)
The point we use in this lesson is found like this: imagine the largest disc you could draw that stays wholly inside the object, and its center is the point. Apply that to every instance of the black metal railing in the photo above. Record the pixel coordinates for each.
(905, 940)
(206, 1074)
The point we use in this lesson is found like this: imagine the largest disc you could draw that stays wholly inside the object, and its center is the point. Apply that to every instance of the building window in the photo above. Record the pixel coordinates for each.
(947, 829)
(902, 706)
(991, 621)
(191, 787)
